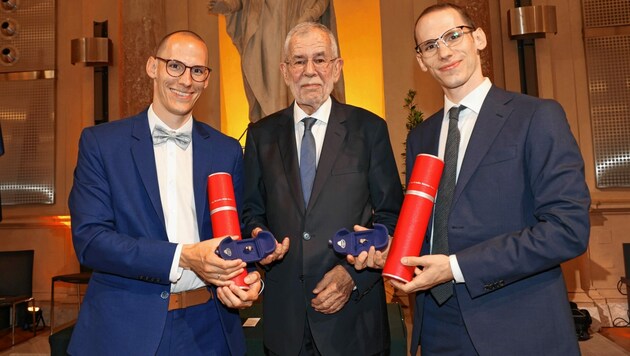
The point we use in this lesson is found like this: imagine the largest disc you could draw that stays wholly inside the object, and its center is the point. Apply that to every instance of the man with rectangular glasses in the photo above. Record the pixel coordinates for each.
(492, 283)
(512, 205)
(311, 169)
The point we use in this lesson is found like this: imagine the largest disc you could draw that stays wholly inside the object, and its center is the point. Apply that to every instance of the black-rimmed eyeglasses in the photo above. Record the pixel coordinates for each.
(176, 68)
(450, 38)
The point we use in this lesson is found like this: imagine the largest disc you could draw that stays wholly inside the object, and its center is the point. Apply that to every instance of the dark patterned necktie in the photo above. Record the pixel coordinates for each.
(308, 166)
(442, 292)
(161, 135)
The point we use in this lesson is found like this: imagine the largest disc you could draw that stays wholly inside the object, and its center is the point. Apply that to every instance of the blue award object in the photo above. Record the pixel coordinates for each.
(353, 243)
(248, 250)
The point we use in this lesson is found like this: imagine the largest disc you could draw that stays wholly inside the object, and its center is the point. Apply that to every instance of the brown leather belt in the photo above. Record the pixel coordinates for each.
(189, 298)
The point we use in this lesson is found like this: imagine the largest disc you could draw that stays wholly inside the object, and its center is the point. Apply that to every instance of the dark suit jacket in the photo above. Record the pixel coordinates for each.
(118, 230)
(356, 183)
(520, 208)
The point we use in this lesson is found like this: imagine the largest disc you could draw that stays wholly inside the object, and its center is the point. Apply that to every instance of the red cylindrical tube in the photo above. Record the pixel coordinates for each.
(223, 213)
(414, 216)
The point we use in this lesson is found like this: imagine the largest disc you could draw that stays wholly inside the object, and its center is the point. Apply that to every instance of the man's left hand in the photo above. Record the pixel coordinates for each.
(234, 297)
(333, 291)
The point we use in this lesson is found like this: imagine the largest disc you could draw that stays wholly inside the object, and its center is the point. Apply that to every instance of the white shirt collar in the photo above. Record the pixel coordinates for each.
(155, 120)
(473, 100)
(322, 113)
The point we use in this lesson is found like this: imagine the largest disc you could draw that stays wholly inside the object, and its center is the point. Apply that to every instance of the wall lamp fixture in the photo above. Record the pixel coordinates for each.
(532, 21)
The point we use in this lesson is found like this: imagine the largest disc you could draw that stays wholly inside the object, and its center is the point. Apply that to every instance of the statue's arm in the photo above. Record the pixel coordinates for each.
(224, 6)
(312, 10)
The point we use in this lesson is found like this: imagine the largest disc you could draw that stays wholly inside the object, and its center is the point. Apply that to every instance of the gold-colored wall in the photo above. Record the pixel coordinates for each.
(234, 109)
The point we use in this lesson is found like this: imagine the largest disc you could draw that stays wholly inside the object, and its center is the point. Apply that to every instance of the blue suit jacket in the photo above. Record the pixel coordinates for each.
(118, 230)
(520, 208)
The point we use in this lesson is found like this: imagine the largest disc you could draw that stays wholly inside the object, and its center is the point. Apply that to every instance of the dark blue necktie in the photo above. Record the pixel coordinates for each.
(161, 135)
(308, 164)
(442, 292)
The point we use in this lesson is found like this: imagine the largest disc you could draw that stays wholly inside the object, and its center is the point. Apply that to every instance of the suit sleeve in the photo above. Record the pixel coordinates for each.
(97, 240)
(385, 193)
(254, 211)
(385, 188)
(555, 192)
(237, 181)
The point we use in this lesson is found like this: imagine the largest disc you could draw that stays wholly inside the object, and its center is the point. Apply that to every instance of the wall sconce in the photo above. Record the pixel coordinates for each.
(91, 51)
(9, 55)
(532, 21)
(10, 5)
(8, 28)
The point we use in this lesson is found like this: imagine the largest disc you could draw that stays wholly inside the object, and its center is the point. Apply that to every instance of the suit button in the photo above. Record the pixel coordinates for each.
(306, 236)
(164, 295)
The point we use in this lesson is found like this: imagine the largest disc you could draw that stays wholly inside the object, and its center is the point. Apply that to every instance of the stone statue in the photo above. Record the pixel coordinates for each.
(258, 29)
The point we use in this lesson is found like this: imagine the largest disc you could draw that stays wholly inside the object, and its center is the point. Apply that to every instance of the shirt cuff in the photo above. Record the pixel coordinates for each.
(176, 271)
(262, 286)
(458, 276)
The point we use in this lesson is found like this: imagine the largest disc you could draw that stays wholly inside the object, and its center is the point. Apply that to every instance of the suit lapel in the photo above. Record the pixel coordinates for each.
(144, 158)
(491, 119)
(431, 134)
(288, 153)
(333, 141)
(202, 164)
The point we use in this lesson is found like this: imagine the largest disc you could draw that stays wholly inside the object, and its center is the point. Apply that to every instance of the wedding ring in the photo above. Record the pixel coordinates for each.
(218, 276)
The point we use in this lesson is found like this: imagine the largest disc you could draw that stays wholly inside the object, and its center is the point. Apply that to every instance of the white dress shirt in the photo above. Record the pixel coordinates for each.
(466, 123)
(174, 170)
(319, 128)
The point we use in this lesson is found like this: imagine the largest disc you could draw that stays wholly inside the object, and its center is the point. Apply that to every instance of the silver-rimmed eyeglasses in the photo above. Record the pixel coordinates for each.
(450, 38)
(175, 68)
(319, 63)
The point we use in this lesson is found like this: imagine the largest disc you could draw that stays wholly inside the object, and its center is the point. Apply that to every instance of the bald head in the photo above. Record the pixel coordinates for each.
(177, 35)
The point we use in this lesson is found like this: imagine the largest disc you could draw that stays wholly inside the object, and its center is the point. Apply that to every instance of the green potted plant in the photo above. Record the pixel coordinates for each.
(414, 117)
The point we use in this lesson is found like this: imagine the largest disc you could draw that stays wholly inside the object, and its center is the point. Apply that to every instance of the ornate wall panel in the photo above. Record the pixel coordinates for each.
(27, 101)
(607, 46)
(603, 13)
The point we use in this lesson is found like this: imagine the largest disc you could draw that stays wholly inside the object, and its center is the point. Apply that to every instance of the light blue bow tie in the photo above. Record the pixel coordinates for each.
(161, 135)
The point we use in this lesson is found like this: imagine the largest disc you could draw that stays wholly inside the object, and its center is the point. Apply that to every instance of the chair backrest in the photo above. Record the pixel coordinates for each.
(84, 269)
(16, 273)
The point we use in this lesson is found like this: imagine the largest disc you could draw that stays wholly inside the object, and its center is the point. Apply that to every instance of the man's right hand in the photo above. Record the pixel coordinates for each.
(278, 253)
(202, 259)
(372, 258)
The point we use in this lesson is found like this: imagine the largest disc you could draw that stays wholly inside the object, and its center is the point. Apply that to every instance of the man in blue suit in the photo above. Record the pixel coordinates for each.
(141, 221)
(518, 208)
